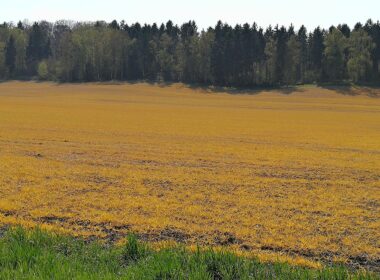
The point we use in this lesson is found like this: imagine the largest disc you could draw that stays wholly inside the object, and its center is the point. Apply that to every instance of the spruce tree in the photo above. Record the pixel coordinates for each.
(316, 42)
(10, 55)
(302, 39)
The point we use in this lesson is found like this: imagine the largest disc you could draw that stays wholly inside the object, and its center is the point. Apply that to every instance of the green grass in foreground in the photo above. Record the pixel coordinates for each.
(40, 255)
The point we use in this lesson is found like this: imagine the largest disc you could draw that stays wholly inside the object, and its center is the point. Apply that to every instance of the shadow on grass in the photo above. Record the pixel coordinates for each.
(286, 90)
(341, 89)
(347, 89)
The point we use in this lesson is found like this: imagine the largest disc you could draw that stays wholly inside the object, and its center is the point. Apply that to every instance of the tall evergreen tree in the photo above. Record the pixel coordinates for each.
(10, 56)
(20, 25)
(39, 45)
(373, 29)
(345, 29)
(218, 55)
(281, 38)
(302, 39)
(317, 47)
(187, 52)
(206, 42)
(3, 67)
(114, 25)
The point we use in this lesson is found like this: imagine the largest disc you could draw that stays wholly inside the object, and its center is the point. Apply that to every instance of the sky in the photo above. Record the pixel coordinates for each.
(311, 13)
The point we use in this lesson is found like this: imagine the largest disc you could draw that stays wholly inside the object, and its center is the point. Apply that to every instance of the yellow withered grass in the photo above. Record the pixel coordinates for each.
(284, 171)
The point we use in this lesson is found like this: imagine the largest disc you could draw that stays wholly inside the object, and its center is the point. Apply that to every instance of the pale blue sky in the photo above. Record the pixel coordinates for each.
(205, 12)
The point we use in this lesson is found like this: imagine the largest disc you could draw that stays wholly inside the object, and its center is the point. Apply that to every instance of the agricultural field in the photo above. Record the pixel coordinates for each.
(290, 174)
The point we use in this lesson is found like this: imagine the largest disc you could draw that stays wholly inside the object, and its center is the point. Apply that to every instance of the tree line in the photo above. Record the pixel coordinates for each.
(241, 56)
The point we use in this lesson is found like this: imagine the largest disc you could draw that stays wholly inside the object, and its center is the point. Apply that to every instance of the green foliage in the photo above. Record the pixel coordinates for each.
(293, 61)
(38, 47)
(335, 46)
(317, 47)
(40, 255)
(165, 59)
(133, 250)
(204, 52)
(42, 70)
(10, 55)
(271, 57)
(2, 61)
(20, 44)
(360, 48)
(240, 56)
(303, 52)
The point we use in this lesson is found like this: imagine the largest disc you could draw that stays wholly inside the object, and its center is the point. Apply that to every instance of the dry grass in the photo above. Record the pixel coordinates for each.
(294, 173)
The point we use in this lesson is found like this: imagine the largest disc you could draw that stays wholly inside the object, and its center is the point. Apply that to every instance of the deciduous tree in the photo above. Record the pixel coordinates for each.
(359, 64)
(334, 55)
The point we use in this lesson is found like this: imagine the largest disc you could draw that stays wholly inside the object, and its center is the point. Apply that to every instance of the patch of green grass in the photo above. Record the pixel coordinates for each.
(41, 255)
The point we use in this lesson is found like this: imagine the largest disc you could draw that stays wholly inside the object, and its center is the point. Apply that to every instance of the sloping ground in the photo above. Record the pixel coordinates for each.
(290, 172)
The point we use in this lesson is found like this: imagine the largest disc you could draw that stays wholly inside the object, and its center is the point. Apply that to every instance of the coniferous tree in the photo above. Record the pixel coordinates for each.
(373, 29)
(218, 55)
(187, 52)
(317, 47)
(10, 56)
(259, 56)
(114, 25)
(302, 39)
(20, 25)
(39, 45)
(345, 29)
(281, 38)
(206, 42)
(3, 68)
(240, 56)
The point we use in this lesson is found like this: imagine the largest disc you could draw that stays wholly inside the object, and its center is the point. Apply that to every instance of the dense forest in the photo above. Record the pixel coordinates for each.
(241, 56)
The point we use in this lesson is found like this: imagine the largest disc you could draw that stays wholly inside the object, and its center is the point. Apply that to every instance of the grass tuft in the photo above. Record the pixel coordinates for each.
(133, 250)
